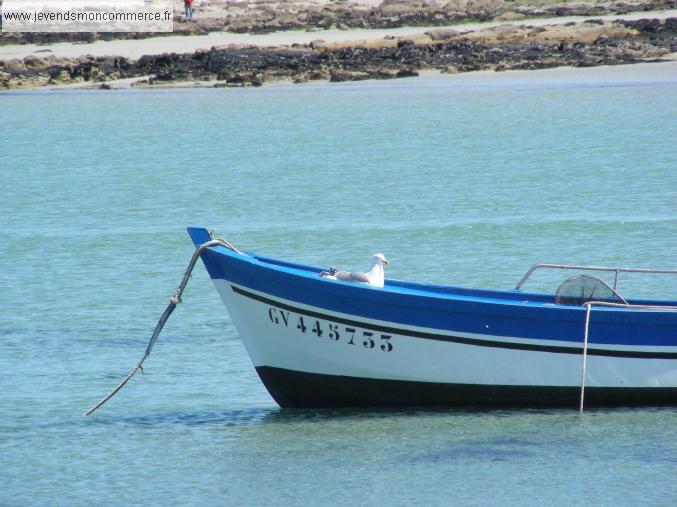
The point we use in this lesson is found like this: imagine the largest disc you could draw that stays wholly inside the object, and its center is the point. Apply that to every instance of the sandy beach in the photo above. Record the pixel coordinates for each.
(644, 73)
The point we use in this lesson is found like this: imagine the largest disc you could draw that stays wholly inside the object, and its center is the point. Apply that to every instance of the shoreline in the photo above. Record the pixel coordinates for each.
(353, 55)
(184, 44)
(636, 73)
(649, 72)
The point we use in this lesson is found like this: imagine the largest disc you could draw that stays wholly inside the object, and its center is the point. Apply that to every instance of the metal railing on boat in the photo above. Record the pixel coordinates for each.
(617, 271)
(589, 304)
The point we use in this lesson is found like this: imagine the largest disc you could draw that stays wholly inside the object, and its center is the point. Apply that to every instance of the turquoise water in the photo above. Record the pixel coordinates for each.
(456, 181)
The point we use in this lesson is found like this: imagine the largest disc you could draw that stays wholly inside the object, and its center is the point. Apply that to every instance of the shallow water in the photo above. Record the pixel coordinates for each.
(457, 181)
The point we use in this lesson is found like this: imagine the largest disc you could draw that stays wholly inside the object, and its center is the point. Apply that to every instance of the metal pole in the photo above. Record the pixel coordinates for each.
(585, 356)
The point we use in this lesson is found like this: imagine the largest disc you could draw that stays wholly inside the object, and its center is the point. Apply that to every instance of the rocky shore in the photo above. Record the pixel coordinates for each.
(500, 48)
(266, 16)
(398, 13)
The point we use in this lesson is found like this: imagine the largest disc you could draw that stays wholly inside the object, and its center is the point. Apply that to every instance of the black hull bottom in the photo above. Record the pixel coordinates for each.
(293, 389)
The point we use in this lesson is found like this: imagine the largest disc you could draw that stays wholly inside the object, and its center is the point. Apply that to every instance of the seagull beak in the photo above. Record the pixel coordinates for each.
(386, 261)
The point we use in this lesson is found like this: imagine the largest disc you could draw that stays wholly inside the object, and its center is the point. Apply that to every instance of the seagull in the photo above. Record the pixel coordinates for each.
(373, 277)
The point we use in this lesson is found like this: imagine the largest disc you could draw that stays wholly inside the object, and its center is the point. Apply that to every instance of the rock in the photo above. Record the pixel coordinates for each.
(382, 74)
(14, 64)
(338, 76)
(406, 73)
(104, 86)
(319, 75)
(445, 34)
(60, 76)
(449, 69)
(35, 62)
(401, 43)
(510, 16)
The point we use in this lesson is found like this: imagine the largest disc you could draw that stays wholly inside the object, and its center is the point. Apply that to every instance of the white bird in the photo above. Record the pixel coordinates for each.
(374, 277)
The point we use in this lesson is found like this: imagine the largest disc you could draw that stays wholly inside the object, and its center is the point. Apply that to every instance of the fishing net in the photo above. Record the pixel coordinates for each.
(580, 289)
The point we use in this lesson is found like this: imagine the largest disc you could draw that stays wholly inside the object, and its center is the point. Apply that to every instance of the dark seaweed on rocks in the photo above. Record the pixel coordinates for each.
(253, 66)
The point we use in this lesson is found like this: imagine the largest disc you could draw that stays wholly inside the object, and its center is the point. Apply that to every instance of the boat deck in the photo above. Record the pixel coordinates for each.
(512, 297)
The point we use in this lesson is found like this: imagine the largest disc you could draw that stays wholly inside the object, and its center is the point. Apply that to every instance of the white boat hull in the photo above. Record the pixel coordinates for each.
(311, 345)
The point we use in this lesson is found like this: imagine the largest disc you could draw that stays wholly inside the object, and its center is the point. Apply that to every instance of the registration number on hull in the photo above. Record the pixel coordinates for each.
(330, 330)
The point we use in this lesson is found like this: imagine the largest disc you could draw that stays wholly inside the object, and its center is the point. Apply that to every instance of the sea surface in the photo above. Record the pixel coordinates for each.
(461, 181)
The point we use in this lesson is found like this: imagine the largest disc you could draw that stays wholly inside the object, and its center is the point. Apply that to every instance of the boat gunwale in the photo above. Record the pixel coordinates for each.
(514, 298)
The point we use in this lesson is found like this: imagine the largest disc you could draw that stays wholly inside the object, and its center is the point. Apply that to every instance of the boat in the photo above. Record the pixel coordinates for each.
(317, 342)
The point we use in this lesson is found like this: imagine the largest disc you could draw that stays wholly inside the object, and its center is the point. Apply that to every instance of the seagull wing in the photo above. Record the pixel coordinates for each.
(355, 277)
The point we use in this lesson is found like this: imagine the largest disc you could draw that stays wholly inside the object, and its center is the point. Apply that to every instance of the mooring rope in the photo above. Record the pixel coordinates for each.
(588, 306)
(173, 302)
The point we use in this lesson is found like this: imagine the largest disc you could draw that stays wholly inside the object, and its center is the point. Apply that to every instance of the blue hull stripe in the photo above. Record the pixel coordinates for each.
(457, 339)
